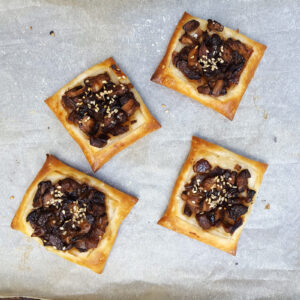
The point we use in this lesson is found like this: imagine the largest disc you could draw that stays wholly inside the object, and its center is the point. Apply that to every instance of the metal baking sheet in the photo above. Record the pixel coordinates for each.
(149, 261)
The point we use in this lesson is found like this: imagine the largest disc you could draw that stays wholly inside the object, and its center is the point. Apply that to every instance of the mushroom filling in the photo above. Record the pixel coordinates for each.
(215, 63)
(100, 108)
(68, 215)
(217, 197)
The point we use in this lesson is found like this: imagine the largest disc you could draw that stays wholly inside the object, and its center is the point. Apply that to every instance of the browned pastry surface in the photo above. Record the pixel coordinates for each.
(210, 63)
(213, 195)
(73, 215)
(102, 111)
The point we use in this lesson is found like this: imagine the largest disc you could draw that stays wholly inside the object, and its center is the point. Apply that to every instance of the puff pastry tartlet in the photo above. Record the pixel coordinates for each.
(213, 195)
(72, 214)
(102, 111)
(210, 63)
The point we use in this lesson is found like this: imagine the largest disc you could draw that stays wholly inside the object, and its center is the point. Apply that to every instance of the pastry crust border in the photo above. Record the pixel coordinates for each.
(118, 205)
(97, 157)
(166, 74)
(174, 218)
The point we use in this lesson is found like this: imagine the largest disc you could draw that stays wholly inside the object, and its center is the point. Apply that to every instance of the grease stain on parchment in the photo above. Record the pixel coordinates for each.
(259, 109)
(25, 252)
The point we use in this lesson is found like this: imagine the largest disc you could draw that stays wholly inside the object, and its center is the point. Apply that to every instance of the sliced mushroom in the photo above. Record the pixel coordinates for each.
(38, 232)
(242, 180)
(129, 107)
(208, 183)
(194, 204)
(100, 141)
(119, 90)
(205, 206)
(204, 89)
(68, 102)
(119, 129)
(85, 227)
(197, 179)
(186, 39)
(175, 58)
(232, 228)
(232, 177)
(219, 214)
(96, 82)
(184, 53)
(189, 73)
(214, 26)
(201, 166)
(236, 225)
(218, 87)
(240, 47)
(68, 185)
(76, 91)
(216, 171)
(191, 25)
(88, 125)
(203, 221)
(226, 53)
(198, 35)
(47, 199)
(80, 245)
(42, 187)
(236, 211)
(203, 51)
(73, 117)
(250, 195)
(187, 211)
(32, 217)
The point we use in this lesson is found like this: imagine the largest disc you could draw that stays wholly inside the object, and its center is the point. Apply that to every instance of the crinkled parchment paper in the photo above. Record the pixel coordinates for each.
(149, 261)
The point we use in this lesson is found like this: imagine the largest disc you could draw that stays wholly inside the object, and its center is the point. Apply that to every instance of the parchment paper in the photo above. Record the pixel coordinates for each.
(149, 261)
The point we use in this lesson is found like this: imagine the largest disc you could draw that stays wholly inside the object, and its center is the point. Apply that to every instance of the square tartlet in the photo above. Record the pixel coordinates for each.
(186, 221)
(214, 93)
(138, 122)
(116, 203)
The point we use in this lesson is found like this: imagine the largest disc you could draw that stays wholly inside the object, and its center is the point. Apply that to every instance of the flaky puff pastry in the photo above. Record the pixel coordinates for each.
(176, 220)
(97, 157)
(118, 205)
(168, 75)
